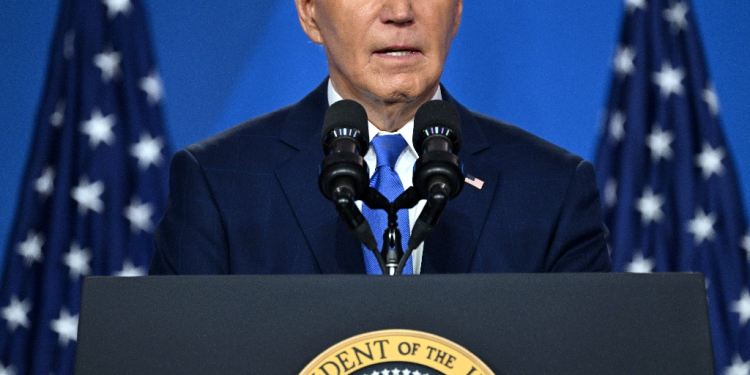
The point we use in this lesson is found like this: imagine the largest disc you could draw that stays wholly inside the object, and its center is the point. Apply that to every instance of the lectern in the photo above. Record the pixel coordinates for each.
(515, 323)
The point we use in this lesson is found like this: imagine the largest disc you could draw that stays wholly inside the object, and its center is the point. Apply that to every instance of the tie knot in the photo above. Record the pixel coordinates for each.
(388, 148)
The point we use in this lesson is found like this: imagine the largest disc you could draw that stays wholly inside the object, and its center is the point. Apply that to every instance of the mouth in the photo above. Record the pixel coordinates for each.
(397, 51)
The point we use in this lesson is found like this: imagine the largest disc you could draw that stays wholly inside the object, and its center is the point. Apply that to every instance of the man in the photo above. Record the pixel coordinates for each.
(246, 200)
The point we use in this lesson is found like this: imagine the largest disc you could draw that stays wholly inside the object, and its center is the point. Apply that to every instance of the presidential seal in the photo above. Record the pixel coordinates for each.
(396, 352)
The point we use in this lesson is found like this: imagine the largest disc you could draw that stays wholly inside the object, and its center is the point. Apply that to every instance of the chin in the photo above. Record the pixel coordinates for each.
(403, 92)
(400, 96)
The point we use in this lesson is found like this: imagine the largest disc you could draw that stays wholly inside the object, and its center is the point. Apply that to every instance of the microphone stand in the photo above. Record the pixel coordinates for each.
(392, 257)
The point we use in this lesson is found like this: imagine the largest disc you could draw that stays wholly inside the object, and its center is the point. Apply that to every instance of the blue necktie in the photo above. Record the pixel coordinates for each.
(386, 181)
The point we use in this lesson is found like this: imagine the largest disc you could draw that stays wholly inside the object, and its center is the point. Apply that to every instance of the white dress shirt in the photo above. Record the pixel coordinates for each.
(404, 167)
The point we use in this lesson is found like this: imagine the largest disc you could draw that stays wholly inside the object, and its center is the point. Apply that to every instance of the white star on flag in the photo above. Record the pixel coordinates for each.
(617, 126)
(139, 214)
(17, 313)
(375, 373)
(130, 270)
(624, 61)
(669, 80)
(659, 142)
(635, 4)
(99, 128)
(88, 196)
(712, 99)
(746, 245)
(417, 373)
(396, 371)
(742, 307)
(31, 249)
(610, 192)
(153, 87)
(738, 367)
(66, 327)
(702, 226)
(640, 264)
(649, 205)
(7, 370)
(386, 372)
(115, 7)
(56, 118)
(406, 372)
(109, 63)
(45, 184)
(78, 261)
(676, 15)
(69, 44)
(709, 160)
(147, 151)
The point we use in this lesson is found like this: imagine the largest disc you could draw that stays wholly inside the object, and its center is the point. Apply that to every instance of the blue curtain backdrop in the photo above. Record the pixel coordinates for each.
(543, 65)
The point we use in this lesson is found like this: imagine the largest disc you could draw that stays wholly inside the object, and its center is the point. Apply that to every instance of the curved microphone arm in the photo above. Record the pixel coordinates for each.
(343, 199)
(427, 220)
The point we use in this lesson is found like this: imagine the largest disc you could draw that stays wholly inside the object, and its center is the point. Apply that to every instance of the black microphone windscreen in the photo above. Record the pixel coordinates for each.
(345, 114)
(437, 113)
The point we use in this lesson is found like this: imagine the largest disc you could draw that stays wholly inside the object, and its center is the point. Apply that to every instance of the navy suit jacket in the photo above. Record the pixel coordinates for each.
(246, 201)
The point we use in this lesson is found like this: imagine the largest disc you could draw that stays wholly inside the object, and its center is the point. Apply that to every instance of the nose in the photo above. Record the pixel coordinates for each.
(397, 11)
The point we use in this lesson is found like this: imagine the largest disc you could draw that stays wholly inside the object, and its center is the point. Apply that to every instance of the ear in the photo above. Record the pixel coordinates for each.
(306, 10)
(457, 19)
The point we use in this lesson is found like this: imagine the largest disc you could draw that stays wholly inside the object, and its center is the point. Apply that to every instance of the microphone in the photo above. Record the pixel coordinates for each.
(438, 173)
(343, 174)
(437, 139)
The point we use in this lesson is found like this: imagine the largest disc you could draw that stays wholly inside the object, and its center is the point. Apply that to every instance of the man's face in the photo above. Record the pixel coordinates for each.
(391, 50)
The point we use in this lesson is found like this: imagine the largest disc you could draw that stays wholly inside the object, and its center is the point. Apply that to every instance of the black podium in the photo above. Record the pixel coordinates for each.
(515, 323)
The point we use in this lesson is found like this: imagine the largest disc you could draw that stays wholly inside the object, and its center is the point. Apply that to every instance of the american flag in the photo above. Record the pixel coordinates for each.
(671, 195)
(95, 181)
(473, 181)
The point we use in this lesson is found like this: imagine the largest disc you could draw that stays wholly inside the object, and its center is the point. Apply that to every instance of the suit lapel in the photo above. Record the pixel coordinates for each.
(335, 248)
(453, 243)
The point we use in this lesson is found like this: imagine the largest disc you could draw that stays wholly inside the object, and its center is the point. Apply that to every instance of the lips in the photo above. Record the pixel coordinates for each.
(397, 51)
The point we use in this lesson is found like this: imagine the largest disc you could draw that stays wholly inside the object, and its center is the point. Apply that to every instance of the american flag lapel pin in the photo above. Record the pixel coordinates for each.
(473, 181)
